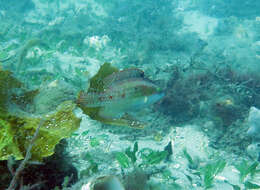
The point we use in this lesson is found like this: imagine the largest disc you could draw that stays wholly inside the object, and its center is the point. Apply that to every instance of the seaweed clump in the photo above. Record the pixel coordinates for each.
(184, 93)
(16, 131)
(7, 82)
(220, 91)
(213, 93)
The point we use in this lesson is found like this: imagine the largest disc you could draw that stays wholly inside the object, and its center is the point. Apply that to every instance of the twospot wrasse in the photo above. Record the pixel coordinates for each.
(124, 91)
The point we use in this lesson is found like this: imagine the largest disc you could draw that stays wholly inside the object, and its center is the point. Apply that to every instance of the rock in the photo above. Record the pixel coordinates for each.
(104, 183)
(254, 124)
(253, 151)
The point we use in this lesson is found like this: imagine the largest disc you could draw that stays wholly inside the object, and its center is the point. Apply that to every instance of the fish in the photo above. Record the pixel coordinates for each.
(124, 92)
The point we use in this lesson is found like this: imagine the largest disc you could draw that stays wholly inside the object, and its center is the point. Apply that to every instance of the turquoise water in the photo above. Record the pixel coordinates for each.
(202, 134)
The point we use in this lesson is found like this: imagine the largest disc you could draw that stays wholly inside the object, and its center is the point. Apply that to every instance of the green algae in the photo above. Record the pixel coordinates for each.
(7, 82)
(16, 132)
(8, 145)
(96, 82)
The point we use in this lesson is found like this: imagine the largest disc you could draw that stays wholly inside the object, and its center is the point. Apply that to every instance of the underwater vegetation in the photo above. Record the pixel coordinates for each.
(34, 138)
(30, 137)
(212, 169)
(137, 165)
(15, 130)
(222, 94)
(196, 137)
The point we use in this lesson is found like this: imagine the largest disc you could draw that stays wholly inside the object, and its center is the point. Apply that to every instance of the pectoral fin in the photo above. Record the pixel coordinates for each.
(112, 117)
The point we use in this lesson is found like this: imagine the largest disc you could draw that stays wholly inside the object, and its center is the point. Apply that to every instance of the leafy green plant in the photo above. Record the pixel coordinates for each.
(167, 176)
(16, 131)
(250, 185)
(193, 163)
(94, 142)
(97, 140)
(211, 170)
(123, 160)
(132, 153)
(150, 156)
(147, 155)
(93, 167)
(85, 133)
(246, 168)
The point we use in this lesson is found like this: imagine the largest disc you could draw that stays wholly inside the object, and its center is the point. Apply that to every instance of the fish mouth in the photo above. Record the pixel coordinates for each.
(162, 94)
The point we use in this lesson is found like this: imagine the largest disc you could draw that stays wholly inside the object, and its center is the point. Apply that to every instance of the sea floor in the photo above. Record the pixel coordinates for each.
(206, 62)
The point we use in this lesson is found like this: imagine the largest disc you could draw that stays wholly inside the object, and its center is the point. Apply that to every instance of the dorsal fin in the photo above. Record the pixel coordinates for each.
(122, 75)
(96, 82)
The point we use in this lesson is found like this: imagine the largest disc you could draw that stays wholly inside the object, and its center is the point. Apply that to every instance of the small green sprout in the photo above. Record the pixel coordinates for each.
(75, 134)
(150, 156)
(211, 170)
(66, 181)
(94, 142)
(167, 176)
(250, 185)
(147, 155)
(245, 168)
(235, 187)
(122, 160)
(85, 133)
(93, 167)
(132, 154)
(193, 163)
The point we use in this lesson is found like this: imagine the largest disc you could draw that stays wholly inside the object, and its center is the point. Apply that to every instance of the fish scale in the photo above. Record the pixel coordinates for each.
(124, 90)
(122, 75)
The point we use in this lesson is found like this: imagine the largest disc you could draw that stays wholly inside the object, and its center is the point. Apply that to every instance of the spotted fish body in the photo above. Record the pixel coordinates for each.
(124, 91)
(123, 75)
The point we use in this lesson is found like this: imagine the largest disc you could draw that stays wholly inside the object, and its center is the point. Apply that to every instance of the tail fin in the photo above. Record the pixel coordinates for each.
(79, 99)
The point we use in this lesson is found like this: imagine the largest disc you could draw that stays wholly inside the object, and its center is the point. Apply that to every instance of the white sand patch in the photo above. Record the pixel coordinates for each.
(192, 139)
(197, 22)
(230, 174)
(68, 60)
